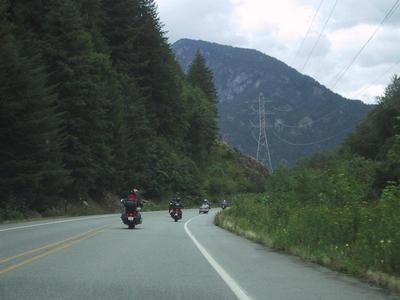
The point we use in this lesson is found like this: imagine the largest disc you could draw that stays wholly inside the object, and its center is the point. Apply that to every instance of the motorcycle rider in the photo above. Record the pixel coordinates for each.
(175, 203)
(135, 198)
(178, 203)
(171, 204)
(205, 201)
(224, 203)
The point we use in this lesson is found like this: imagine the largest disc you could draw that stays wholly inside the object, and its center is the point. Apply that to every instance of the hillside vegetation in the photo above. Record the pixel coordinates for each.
(93, 103)
(304, 117)
(338, 208)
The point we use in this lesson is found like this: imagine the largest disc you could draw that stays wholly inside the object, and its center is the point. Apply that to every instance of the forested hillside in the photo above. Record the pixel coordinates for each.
(303, 116)
(340, 208)
(93, 102)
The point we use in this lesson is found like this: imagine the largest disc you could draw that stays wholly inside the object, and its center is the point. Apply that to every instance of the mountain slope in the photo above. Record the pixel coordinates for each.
(305, 116)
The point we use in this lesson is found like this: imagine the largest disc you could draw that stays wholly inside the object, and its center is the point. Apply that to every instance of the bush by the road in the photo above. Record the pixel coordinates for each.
(360, 237)
(339, 208)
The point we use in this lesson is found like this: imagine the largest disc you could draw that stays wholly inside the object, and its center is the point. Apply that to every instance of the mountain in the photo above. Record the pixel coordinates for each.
(303, 116)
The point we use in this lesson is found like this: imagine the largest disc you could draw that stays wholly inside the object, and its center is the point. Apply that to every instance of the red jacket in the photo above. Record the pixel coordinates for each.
(132, 196)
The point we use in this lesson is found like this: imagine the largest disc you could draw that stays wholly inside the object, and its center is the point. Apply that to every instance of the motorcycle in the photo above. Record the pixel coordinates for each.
(224, 205)
(176, 214)
(204, 208)
(131, 216)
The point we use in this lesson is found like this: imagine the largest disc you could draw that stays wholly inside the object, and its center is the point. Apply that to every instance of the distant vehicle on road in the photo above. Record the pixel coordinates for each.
(131, 215)
(175, 209)
(204, 208)
(176, 213)
(224, 204)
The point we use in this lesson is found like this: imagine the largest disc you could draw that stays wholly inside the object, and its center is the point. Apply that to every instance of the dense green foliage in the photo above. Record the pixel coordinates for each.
(30, 162)
(341, 208)
(378, 137)
(229, 172)
(305, 118)
(355, 237)
(92, 102)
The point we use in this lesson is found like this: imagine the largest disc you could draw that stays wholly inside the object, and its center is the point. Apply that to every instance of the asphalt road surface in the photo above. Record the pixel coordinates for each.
(99, 258)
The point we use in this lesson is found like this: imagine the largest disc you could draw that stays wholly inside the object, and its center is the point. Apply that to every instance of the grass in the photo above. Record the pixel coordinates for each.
(335, 260)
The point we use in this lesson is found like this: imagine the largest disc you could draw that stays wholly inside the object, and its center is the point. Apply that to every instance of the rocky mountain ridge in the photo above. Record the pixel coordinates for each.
(303, 116)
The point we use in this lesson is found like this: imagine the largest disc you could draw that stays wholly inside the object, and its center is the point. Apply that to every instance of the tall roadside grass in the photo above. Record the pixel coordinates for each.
(357, 237)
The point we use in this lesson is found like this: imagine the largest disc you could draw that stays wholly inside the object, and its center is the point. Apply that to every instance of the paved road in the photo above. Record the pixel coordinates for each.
(99, 258)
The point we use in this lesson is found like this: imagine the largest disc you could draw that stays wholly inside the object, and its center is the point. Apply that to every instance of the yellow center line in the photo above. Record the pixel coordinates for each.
(47, 246)
(75, 239)
(57, 249)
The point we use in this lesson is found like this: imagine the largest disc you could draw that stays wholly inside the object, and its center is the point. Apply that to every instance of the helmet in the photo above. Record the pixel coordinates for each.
(135, 190)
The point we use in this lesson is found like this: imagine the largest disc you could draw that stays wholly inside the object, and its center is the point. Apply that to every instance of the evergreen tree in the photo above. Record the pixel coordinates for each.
(29, 17)
(92, 101)
(379, 126)
(199, 75)
(377, 136)
(82, 77)
(140, 50)
(204, 120)
(31, 170)
(199, 135)
(151, 80)
(93, 18)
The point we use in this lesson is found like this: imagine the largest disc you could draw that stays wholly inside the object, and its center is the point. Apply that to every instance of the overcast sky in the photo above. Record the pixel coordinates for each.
(277, 28)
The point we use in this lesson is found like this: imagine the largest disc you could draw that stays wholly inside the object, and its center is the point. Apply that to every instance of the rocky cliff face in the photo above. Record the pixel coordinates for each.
(303, 116)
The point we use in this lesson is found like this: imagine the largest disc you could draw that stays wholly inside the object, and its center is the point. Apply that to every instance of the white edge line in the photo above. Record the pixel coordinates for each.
(232, 284)
(54, 222)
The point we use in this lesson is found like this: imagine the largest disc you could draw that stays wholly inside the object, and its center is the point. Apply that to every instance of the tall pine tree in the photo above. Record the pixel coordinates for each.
(199, 75)
(31, 169)
(203, 126)
(152, 84)
(82, 77)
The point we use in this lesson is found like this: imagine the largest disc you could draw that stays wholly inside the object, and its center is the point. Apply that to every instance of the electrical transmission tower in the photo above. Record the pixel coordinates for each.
(263, 153)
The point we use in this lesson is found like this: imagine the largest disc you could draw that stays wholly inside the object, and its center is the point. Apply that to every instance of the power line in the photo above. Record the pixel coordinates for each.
(378, 77)
(319, 36)
(341, 74)
(313, 121)
(285, 108)
(387, 16)
(317, 120)
(307, 33)
(307, 144)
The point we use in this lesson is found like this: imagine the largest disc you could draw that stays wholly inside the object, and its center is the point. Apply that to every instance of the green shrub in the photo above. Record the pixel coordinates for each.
(360, 235)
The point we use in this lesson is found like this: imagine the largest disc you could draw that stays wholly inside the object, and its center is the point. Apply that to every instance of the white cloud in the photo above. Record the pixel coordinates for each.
(207, 19)
(256, 16)
(278, 27)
